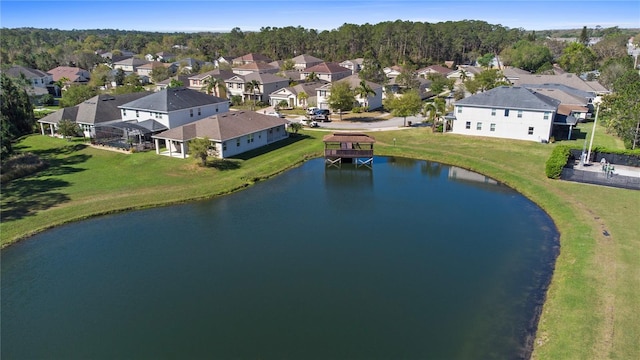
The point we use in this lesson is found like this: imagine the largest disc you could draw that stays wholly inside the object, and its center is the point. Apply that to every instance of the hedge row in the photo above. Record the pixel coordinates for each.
(557, 161)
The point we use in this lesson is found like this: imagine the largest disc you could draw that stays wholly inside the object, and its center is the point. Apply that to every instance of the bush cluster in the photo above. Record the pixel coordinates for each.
(21, 165)
(557, 161)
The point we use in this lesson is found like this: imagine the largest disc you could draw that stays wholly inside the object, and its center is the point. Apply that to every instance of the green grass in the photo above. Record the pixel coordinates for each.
(591, 311)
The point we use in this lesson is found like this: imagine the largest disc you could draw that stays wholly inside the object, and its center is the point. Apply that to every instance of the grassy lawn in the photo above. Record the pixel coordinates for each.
(592, 309)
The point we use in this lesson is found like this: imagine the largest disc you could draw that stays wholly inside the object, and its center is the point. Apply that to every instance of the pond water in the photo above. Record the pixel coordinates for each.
(410, 259)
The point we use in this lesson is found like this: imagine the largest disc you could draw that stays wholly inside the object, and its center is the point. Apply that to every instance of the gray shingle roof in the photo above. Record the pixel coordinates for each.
(104, 108)
(511, 97)
(223, 127)
(173, 99)
(29, 73)
(69, 113)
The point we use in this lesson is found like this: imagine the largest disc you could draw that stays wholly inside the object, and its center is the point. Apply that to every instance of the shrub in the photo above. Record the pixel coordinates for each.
(557, 161)
(21, 165)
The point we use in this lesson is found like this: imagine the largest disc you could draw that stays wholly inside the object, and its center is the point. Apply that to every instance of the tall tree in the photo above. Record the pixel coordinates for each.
(302, 98)
(621, 110)
(409, 104)
(76, 94)
(577, 58)
(434, 111)
(16, 113)
(341, 97)
(584, 36)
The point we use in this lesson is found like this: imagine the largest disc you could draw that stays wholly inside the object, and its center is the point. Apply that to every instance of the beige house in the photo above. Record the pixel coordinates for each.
(293, 94)
(231, 134)
(256, 67)
(267, 83)
(327, 71)
(301, 62)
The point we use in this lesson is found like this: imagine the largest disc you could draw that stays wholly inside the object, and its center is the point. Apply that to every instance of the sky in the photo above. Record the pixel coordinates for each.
(249, 15)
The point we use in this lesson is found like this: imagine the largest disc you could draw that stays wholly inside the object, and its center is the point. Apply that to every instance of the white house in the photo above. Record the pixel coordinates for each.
(130, 64)
(267, 83)
(506, 112)
(173, 107)
(372, 101)
(292, 94)
(36, 77)
(231, 133)
(354, 65)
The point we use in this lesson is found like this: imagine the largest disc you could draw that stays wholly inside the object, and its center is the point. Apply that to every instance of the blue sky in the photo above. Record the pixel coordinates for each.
(223, 15)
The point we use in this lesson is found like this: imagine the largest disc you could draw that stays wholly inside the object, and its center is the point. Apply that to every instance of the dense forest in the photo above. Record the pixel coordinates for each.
(390, 43)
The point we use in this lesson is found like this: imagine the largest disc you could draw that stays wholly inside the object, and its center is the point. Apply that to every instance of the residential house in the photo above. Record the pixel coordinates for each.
(251, 58)
(147, 69)
(506, 112)
(129, 65)
(187, 65)
(75, 75)
(464, 72)
(199, 81)
(573, 102)
(433, 69)
(570, 80)
(355, 65)
(256, 67)
(292, 94)
(35, 77)
(278, 64)
(222, 61)
(372, 101)
(162, 56)
(304, 61)
(100, 109)
(392, 71)
(267, 84)
(394, 88)
(327, 71)
(512, 74)
(231, 133)
(173, 107)
(182, 79)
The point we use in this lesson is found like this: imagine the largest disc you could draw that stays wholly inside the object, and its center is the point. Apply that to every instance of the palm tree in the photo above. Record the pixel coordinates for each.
(364, 90)
(215, 86)
(60, 83)
(312, 77)
(302, 98)
(253, 86)
(434, 110)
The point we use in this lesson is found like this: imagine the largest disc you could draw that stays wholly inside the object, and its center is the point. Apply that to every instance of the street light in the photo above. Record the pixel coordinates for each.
(597, 102)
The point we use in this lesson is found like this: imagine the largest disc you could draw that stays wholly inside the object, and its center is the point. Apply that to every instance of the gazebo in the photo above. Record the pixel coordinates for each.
(348, 147)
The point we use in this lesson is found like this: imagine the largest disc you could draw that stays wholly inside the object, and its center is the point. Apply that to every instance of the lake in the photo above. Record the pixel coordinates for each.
(410, 259)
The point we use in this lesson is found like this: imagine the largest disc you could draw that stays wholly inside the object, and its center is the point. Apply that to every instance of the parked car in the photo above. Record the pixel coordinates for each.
(276, 114)
(320, 115)
(311, 110)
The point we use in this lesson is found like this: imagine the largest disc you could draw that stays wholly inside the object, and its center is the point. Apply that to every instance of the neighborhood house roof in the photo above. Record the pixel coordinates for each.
(71, 73)
(69, 113)
(173, 99)
(223, 127)
(305, 58)
(104, 108)
(327, 68)
(252, 57)
(217, 73)
(256, 66)
(570, 80)
(16, 70)
(511, 97)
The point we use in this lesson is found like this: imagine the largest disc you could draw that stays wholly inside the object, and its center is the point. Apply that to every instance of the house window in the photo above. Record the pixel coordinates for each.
(137, 113)
(479, 126)
(199, 112)
(493, 112)
(124, 112)
(224, 146)
(191, 112)
(519, 113)
(237, 142)
(506, 112)
(530, 130)
(249, 138)
(459, 109)
(468, 125)
(546, 115)
(492, 127)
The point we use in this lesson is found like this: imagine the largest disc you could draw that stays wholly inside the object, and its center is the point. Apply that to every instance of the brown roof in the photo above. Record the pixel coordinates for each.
(567, 109)
(252, 57)
(71, 73)
(256, 66)
(327, 68)
(349, 137)
(223, 127)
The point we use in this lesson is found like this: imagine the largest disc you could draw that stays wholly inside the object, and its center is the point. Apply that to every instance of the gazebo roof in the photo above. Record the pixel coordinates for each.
(349, 137)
